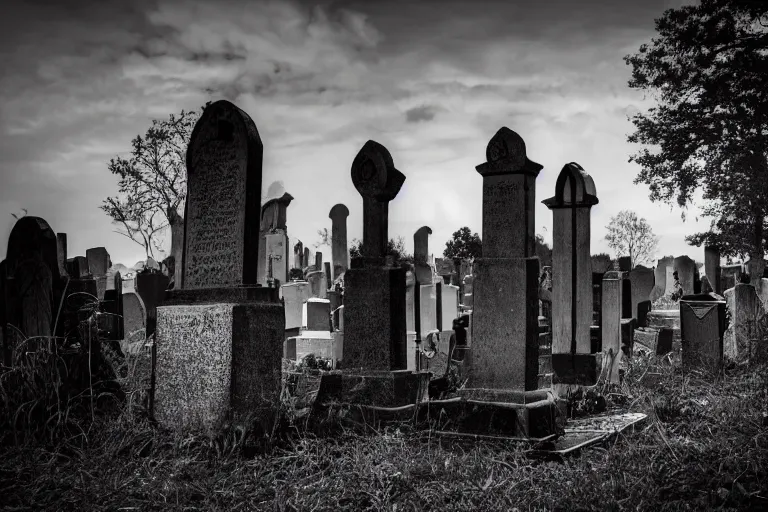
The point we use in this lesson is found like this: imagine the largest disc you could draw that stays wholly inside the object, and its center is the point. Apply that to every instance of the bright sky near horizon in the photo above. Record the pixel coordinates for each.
(431, 80)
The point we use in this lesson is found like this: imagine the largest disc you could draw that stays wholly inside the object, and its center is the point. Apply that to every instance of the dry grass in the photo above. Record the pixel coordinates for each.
(705, 446)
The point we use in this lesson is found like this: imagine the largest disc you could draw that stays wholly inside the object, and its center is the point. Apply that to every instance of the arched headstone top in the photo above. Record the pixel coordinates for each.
(574, 188)
(339, 211)
(222, 123)
(374, 174)
(30, 237)
(422, 232)
(506, 154)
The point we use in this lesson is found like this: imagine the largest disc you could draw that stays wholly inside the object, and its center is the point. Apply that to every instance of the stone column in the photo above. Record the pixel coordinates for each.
(572, 300)
(339, 249)
(374, 295)
(505, 324)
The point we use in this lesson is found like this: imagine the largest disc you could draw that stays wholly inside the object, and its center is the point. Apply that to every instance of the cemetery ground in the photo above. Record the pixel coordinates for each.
(704, 445)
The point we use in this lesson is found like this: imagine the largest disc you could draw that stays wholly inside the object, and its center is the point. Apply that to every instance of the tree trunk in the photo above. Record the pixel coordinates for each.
(757, 253)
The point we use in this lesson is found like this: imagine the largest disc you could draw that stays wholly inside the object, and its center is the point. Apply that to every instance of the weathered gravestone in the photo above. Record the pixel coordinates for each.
(317, 286)
(505, 289)
(273, 239)
(77, 267)
(612, 293)
(298, 255)
(642, 282)
(573, 362)
(687, 274)
(305, 259)
(339, 248)
(177, 246)
(151, 287)
(744, 339)
(134, 316)
(61, 253)
(712, 268)
(660, 288)
(374, 294)
(625, 263)
(220, 337)
(32, 273)
(113, 307)
(98, 264)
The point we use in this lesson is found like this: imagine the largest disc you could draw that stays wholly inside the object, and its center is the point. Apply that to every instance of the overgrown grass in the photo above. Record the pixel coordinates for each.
(704, 446)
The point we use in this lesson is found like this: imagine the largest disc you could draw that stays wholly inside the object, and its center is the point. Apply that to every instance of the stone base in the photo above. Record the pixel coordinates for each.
(505, 332)
(377, 389)
(578, 369)
(507, 413)
(217, 362)
(374, 319)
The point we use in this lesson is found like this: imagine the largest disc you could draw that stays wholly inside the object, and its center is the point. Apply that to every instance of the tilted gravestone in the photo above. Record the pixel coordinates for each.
(505, 343)
(98, 264)
(374, 294)
(339, 248)
(712, 268)
(660, 278)
(220, 337)
(572, 284)
(642, 283)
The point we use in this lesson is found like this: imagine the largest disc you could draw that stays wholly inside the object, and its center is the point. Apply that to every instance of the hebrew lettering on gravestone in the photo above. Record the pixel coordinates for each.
(224, 161)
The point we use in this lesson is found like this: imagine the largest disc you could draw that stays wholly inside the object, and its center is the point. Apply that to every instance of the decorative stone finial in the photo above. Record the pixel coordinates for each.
(506, 155)
(574, 188)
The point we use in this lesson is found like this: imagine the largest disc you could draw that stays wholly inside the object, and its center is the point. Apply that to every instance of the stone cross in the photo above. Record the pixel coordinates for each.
(572, 299)
(224, 160)
(339, 250)
(376, 179)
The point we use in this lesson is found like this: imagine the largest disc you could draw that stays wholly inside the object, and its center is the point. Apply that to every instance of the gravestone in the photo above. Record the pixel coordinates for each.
(686, 273)
(660, 278)
(134, 315)
(327, 274)
(712, 268)
(339, 248)
(611, 323)
(625, 263)
(219, 339)
(273, 239)
(177, 247)
(307, 263)
(743, 341)
(421, 255)
(298, 255)
(33, 282)
(505, 338)
(318, 315)
(61, 253)
(374, 294)
(151, 287)
(99, 263)
(729, 276)
(295, 294)
(573, 362)
(317, 283)
(113, 307)
(642, 280)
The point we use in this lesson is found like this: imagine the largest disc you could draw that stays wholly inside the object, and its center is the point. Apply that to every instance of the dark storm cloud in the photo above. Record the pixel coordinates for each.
(423, 113)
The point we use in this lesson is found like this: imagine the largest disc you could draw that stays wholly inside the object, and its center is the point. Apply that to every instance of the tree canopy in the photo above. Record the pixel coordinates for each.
(153, 181)
(395, 248)
(463, 245)
(631, 236)
(709, 128)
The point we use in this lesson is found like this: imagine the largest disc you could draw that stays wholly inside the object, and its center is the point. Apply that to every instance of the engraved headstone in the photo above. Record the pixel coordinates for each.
(572, 291)
(686, 273)
(506, 279)
(712, 268)
(223, 195)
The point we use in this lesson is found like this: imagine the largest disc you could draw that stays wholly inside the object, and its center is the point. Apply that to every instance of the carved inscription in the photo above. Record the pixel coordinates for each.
(216, 210)
(504, 219)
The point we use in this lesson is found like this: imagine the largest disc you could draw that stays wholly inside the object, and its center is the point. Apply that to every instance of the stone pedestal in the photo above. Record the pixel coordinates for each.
(374, 318)
(217, 361)
(505, 324)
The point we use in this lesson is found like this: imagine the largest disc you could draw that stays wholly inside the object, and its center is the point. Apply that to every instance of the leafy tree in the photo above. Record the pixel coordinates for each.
(709, 129)
(543, 251)
(631, 236)
(153, 181)
(395, 248)
(463, 245)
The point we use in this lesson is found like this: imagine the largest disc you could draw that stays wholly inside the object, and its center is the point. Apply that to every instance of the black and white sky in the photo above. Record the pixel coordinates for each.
(432, 80)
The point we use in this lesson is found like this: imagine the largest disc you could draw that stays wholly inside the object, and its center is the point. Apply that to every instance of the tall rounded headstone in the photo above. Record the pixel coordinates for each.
(339, 249)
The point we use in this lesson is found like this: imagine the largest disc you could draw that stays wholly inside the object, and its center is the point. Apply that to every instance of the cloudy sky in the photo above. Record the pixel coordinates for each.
(432, 80)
